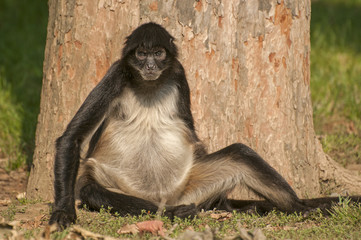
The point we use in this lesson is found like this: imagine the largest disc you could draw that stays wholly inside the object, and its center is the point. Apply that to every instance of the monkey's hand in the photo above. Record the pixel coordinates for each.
(62, 218)
(181, 211)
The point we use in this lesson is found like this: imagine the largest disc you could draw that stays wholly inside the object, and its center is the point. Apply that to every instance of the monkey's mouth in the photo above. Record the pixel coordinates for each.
(151, 75)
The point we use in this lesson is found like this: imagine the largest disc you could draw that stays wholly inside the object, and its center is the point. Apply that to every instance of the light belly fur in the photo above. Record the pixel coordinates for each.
(145, 154)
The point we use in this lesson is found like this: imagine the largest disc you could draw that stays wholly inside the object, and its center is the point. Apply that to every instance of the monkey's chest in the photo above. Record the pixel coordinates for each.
(146, 153)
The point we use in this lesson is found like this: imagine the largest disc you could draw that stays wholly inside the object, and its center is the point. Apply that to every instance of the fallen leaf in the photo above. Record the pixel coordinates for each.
(245, 234)
(49, 229)
(5, 202)
(154, 226)
(9, 231)
(221, 216)
(35, 223)
(129, 228)
(77, 232)
(21, 195)
(205, 235)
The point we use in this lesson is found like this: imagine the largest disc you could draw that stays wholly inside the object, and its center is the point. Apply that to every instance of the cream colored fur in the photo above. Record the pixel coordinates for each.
(144, 150)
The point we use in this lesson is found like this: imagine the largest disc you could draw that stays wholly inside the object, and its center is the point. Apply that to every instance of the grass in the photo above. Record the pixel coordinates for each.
(336, 77)
(342, 222)
(22, 41)
(11, 114)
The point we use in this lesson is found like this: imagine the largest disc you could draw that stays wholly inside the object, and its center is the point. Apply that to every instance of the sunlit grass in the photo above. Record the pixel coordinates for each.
(336, 77)
(22, 41)
(342, 222)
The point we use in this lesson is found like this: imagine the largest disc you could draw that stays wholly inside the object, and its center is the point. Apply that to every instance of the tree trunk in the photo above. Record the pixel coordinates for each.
(247, 64)
(84, 38)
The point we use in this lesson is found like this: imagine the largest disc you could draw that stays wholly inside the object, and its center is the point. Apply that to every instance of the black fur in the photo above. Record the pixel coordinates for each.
(150, 35)
(68, 145)
(265, 173)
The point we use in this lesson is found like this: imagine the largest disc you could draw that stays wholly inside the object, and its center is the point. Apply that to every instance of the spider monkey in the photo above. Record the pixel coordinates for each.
(136, 140)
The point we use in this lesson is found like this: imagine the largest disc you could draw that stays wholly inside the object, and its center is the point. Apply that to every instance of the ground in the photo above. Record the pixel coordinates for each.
(11, 185)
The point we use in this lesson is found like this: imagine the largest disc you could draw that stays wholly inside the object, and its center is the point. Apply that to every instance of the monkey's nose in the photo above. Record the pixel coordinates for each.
(150, 66)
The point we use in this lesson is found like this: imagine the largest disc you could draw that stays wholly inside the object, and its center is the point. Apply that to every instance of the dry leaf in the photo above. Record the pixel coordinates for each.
(49, 229)
(258, 234)
(221, 216)
(154, 226)
(77, 232)
(132, 228)
(35, 223)
(21, 195)
(9, 231)
(247, 235)
(190, 235)
(5, 202)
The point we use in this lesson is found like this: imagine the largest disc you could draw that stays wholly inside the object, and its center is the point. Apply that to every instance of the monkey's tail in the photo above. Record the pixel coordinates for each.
(328, 202)
(325, 204)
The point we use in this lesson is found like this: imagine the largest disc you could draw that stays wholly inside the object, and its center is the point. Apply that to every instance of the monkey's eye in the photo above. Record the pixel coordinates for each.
(160, 54)
(141, 55)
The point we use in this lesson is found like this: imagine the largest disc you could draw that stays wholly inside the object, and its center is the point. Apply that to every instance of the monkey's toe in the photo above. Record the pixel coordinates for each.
(62, 219)
(182, 211)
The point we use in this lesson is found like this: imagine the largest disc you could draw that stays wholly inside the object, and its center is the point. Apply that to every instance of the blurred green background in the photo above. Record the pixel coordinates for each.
(22, 43)
(335, 77)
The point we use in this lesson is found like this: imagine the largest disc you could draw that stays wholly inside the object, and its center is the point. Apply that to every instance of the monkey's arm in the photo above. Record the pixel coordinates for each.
(68, 145)
(184, 103)
(184, 108)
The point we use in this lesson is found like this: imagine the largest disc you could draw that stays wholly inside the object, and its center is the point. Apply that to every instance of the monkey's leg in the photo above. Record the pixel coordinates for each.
(95, 196)
(216, 174)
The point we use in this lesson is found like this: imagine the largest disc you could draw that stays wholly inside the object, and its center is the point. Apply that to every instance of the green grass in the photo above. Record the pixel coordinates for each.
(343, 222)
(22, 41)
(336, 77)
(10, 124)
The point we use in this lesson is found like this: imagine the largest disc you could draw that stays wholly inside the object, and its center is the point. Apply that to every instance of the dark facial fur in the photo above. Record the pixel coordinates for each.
(150, 63)
(149, 36)
(150, 51)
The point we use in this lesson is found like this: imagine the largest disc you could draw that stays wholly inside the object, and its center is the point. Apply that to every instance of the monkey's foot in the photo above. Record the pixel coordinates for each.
(181, 211)
(62, 218)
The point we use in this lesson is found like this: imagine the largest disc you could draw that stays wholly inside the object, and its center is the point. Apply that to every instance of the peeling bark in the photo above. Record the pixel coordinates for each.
(83, 40)
(247, 64)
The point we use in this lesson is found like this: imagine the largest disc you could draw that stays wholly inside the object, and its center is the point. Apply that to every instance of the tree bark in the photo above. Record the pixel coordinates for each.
(247, 64)
(84, 38)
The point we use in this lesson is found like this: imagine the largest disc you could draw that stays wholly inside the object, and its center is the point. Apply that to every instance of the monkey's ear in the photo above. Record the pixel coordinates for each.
(172, 47)
(127, 49)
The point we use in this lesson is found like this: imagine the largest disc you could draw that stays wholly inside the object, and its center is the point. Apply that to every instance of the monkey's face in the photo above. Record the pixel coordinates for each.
(150, 63)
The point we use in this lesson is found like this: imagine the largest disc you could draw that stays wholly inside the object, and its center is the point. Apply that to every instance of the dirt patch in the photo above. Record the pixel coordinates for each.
(11, 185)
(26, 216)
